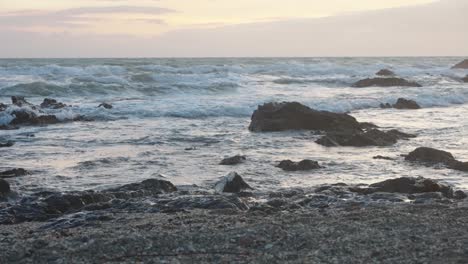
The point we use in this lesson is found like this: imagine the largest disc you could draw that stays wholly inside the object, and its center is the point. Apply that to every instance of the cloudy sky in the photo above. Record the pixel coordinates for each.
(207, 28)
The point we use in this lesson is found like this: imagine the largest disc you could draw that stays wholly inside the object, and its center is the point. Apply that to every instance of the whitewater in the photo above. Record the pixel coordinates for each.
(177, 118)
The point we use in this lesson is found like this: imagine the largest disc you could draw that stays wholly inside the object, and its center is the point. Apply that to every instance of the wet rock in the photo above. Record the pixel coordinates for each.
(459, 195)
(385, 72)
(106, 106)
(458, 165)
(13, 173)
(233, 160)
(386, 105)
(385, 82)
(3, 107)
(304, 165)
(147, 187)
(465, 79)
(210, 202)
(461, 65)
(373, 137)
(4, 187)
(407, 185)
(368, 125)
(232, 183)
(20, 101)
(52, 104)
(403, 103)
(26, 117)
(7, 144)
(430, 156)
(295, 116)
(379, 157)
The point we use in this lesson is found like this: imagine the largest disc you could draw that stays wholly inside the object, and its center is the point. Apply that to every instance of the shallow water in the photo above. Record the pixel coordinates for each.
(163, 106)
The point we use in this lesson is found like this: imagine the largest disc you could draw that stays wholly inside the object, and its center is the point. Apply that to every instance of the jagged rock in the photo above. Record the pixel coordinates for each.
(461, 65)
(295, 116)
(25, 117)
(232, 183)
(408, 185)
(106, 106)
(52, 103)
(303, 165)
(385, 72)
(403, 103)
(373, 137)
(4, 187)
(430, 156)
(13, 173)
(7, 144)
(233, 160)
(20, 101)
(385, 82)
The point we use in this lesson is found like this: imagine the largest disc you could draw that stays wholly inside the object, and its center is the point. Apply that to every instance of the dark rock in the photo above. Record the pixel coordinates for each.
(7, 144)
(233, 160)
(232, 183)
(4, 187)
(461, 65)
(25, 117)
(458, 165)
(295, 116)
(13, 173)
(106, 106)
(382, 158)
(368, 125)
(52, 103)
(385, 82)
(459, 195)
(149, 187)
(385, 72)
(465, 79)
(210, 202)
(386, 105)
(430, 156)
(3, 107)
(407, 185)
(20, 101)
(304, 165)
(373, 137)
(403, 103)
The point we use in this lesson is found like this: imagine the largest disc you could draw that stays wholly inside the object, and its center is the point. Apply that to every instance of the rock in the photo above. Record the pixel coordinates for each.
(458, 165)
(295, 116)
(403, 103)
(3, 107)
(149, 187)
(461, 65)
(26, 117)
(52, 103)
(465, 79)
(386, 105)
(233, 160)
(385, 82)
(373, 137)
(232, 183)
(4, 187)
(385, 72)
(13, 173)
(20, 101)
(7, 144)
(106, 106)
(460, 195)
(430, 156)
(305, 165)
(379, 157)
(407, 185)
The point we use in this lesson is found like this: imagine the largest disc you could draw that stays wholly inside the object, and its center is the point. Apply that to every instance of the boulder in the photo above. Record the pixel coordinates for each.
(233, 160)
(3, 107)
(106, 106)
(148, 187)
(20, 101)
(232, 183)
(13, 173)
(403, 103)
(295, 116)
(372, 137)
(26, 117)
(7, 144)
(385, 82)
(52, 104)
(4, 187)
(461, 65)
(385, 72)
(430, 156)
(304, 165)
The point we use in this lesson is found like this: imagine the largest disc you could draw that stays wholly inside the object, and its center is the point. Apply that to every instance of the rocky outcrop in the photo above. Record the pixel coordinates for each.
(238, 159)
(408, 185)
(20, 101)
(385, 82)
(385, 72)
(403, 103)
(373, 137)
(295, 116)
(232, 183)
(461, 65)
(106, 106)
(52, 104)
(13, 173)
(304, 165)
(27, 117)
(431, 157)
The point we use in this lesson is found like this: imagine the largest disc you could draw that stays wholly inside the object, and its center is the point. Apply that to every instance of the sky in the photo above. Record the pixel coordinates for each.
(226, 28)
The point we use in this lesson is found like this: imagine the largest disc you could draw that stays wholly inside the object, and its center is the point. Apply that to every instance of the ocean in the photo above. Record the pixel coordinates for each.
(177, 118)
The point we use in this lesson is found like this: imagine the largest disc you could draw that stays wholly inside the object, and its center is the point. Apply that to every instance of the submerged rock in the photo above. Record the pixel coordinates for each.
(373, 137)
(379, 157)
(4, 187)
(232, 183)
(106, 106)
(403, 103)
(52, 103)
(385, 72)
(385, 82)
(461, 65)
(233, 160)
(303, 165)
(295, 116)
(7, 144)
(13, 173)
